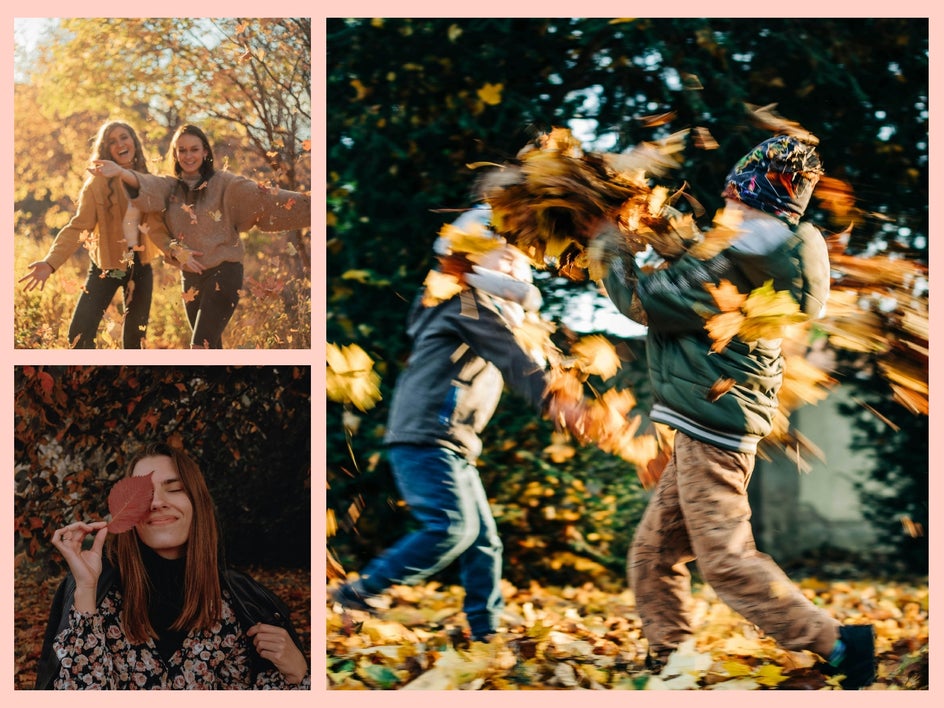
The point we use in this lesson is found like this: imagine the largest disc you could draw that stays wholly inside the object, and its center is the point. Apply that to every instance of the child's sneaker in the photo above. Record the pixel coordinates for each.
(352, 597)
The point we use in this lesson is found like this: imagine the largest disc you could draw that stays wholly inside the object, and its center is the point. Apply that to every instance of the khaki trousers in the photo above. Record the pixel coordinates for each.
(700, 511)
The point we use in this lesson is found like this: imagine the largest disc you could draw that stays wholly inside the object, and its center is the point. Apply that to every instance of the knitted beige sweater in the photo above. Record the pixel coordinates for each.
(228, 205)
(97, 223)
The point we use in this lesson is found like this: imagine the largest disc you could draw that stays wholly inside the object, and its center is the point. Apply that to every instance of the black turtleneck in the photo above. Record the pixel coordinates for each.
(166, 599)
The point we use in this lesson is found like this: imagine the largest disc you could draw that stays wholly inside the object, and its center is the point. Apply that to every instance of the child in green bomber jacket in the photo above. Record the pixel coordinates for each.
(699, 509)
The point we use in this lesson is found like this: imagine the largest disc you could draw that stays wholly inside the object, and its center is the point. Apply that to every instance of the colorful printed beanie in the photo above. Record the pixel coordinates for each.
(777, 177)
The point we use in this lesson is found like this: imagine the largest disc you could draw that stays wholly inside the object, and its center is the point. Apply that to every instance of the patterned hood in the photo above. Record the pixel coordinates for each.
(776, 177)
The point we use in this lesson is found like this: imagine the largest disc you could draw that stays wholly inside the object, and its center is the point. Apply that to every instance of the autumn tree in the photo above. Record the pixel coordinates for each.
(245, 81)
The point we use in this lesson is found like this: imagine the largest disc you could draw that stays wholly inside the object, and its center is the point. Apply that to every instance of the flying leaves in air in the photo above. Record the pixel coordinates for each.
(596, 355)
(351, 378)
(440, 287)
(767, 118)
(190, 211)
(764, 314)
(129, 502)
(491, 94)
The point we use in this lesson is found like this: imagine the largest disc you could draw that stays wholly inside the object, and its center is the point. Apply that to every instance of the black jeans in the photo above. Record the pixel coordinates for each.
(137, 285)
(210, 299)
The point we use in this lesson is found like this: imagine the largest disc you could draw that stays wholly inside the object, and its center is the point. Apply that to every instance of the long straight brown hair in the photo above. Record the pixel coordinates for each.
(203, 600)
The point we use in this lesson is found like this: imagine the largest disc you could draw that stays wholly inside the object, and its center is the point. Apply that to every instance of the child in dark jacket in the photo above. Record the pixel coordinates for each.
(465, 350)
(699, 509)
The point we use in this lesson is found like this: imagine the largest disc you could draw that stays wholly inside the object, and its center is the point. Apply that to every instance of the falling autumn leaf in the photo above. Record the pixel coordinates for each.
(490, 94)
(129, 502)
(767, 118)
(726, 296)
(652, 121)
(440, 287)
(719, 388)
(596, 355)
(723, 328)
(351, 378)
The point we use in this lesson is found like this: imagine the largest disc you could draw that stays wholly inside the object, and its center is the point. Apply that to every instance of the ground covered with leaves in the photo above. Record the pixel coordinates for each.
(588, 638)
(35, 591)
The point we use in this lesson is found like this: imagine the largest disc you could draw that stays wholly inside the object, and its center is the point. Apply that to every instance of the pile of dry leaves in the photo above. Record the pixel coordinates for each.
(585, 638)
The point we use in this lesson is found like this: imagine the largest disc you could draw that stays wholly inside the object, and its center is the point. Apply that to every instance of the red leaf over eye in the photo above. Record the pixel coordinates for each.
(129, 502)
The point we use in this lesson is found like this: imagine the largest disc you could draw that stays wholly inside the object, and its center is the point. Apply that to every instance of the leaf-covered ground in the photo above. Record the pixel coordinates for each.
(586, 638)
(35, 591)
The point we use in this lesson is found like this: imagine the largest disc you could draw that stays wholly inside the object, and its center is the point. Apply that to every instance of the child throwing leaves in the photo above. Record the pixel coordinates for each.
(465, 351)
(699, 509)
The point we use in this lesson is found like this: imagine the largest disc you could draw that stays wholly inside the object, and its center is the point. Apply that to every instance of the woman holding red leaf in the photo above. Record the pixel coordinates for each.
(120, 241)
(206, 210)
(148, 605)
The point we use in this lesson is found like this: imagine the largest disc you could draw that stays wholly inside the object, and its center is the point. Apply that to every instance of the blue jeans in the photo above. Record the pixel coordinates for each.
(445, 494)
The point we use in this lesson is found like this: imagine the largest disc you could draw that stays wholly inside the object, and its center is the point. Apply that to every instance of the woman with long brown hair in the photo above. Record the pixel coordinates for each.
(120, 242)
(153, 607)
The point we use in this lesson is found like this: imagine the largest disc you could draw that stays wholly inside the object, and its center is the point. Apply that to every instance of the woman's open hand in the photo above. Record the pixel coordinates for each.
(36, 278)
(275, 644)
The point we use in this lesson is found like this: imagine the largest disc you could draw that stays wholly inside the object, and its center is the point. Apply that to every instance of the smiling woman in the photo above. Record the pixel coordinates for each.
(154, 607)
(120, 243)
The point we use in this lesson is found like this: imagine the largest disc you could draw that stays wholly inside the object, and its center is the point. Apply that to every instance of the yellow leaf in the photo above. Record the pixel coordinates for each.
(491, 94)
(736, 668)
(770, 675)
(726, 226)
(350, 377)
(477, 239)
(439, 288)
(596, 355)
(361, 276)
(767, 302)
(360, 88)
(559, 452)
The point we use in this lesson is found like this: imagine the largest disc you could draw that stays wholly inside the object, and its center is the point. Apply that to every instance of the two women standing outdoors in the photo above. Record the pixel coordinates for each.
(194, 218)
(206, 210)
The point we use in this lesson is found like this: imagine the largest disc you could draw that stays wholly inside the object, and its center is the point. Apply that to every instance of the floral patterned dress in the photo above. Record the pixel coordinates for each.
(95, 654)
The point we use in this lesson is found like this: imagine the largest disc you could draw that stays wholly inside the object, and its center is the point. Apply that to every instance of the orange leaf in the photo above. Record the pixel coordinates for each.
(596, 355)
(726, 295)
(719, 388)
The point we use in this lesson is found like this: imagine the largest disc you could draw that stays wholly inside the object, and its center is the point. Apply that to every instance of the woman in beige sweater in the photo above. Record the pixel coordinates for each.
(206, 211)
(119, 240)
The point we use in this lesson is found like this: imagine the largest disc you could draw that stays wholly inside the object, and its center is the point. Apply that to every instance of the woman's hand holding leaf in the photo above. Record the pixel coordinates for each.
(84, 564)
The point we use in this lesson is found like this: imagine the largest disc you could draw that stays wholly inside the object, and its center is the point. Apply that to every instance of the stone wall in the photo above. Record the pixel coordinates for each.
(795, 512)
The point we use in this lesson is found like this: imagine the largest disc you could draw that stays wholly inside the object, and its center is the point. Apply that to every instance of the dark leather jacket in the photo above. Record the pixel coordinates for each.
(252, 603)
